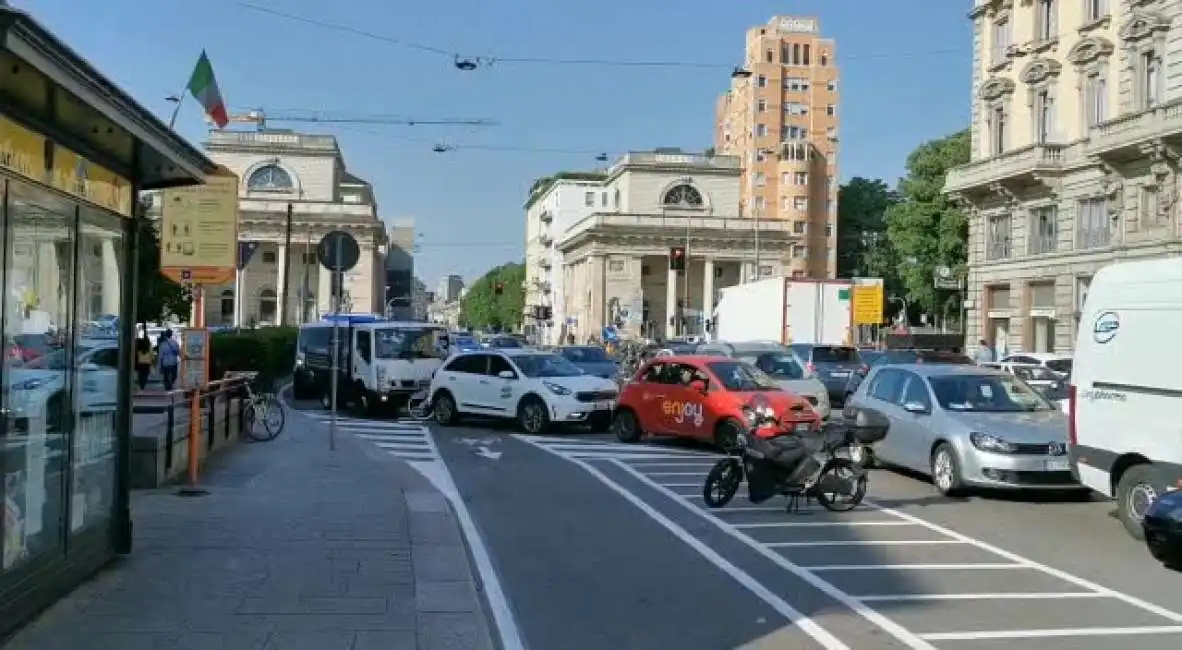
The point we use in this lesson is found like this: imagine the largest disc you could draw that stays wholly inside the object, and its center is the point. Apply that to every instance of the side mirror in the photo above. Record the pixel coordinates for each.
(870, 425)
(507, 374)
(699, 386)
(914, 407)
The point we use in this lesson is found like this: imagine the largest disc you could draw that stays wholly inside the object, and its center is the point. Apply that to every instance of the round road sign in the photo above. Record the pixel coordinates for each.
(338, 251)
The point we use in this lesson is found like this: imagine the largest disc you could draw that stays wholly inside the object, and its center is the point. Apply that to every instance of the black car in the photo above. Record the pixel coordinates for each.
(591, 359)
(1163, 529)
(891, 357)
(831, 364)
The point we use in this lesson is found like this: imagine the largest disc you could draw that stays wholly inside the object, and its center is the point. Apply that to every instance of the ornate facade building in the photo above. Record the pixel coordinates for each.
(612, 258)
(1076, 137)
(282, 171)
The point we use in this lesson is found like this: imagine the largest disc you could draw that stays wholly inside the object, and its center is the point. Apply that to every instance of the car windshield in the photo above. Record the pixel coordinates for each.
(871, 357)
(405, 343)
(1060, 365)
(827, 354)
(545, 365)
(740, 376)
(585, 355)
(1035, 373)
(900, 356)
(504, 342)
(776, 366)
(465, 342)
(55, 360)
(986, 393)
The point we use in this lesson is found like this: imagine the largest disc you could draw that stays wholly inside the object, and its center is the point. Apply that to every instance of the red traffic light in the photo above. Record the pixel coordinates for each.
(678, 252)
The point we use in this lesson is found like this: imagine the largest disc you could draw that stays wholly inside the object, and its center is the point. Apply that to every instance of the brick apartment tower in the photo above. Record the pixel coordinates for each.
(781, 120)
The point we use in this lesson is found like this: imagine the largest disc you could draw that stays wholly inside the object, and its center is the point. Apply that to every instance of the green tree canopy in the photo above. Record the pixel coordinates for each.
(924, 227)
(156, 296)
(481, 308)
(861, 224)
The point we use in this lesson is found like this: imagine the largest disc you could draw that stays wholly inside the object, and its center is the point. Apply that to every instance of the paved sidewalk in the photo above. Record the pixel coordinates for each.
(295, 548)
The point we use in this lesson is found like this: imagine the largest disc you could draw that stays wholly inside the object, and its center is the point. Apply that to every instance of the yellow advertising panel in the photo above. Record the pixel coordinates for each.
(96, 184)
(199, 231)
(21, 150)
(868, 304)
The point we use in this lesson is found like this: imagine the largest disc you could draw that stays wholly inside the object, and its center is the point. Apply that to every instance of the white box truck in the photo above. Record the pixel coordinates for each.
(786, 310)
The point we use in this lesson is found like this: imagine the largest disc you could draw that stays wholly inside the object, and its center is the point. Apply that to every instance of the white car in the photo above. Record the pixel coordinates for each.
(36, 392)
(1059, 364)
(536, 388)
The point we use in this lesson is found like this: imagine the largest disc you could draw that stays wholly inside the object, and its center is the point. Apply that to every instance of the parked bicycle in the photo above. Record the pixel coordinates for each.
(262, 415)
(419, 406)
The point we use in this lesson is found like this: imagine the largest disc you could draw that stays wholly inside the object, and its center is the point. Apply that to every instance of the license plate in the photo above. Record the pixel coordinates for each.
(840, 373)
(1057, 465)
(604, 406)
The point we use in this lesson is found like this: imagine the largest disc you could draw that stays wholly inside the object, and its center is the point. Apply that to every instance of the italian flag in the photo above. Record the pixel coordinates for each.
(204, 87)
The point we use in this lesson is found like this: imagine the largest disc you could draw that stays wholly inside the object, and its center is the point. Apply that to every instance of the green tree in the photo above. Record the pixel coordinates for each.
(156, 296)
(924, 227)
(861, 225)
(481, 308)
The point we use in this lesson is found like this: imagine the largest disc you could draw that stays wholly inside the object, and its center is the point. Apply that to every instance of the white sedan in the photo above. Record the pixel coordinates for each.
(536, 388)
(37, 394)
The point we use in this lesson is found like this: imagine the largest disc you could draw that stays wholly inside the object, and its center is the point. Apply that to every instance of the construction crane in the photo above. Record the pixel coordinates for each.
(260, 118)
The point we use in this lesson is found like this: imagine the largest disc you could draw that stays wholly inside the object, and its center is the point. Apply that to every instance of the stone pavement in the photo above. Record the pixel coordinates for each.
(295, 548)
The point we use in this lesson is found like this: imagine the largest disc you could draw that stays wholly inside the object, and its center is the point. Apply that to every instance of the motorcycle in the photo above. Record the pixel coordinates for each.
(822, 470)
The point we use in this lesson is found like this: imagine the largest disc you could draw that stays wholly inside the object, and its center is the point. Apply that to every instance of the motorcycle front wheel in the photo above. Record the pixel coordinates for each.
(841, 485)
(722, 482)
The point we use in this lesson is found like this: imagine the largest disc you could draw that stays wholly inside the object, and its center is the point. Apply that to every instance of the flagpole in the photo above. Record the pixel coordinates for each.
(177, 109)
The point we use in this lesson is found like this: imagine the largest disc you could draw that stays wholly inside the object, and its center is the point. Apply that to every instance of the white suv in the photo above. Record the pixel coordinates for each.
(37, 392)
(537, 388)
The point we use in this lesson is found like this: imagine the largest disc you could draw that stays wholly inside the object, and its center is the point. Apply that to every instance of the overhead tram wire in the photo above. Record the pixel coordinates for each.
(467, 62)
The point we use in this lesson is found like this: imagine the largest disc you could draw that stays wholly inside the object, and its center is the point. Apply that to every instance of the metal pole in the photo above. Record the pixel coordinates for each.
(685, 292)
(751, 176)
(336, 343)
(176, 110)
(286, 269)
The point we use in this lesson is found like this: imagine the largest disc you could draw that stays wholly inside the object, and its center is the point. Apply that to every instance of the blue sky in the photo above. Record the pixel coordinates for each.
(905, 67)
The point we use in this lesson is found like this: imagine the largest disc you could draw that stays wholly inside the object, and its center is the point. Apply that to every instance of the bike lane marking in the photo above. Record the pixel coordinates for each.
(797, 618)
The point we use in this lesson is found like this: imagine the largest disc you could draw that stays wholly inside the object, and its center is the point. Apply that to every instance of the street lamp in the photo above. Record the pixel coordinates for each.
(902, 301)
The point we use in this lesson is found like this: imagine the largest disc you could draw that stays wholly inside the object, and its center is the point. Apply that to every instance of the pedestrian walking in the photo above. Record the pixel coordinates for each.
(143, 360)
(984, 352)
(168, 355)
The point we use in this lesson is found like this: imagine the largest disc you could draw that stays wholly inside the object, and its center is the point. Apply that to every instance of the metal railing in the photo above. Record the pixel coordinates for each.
(227, 389)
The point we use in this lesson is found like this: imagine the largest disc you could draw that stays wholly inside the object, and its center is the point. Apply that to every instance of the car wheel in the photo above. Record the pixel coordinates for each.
(626, 426)
(862, 455)
(532, 416)
(726, 434)
(1136, 491)
(946, 470)
(444, 407)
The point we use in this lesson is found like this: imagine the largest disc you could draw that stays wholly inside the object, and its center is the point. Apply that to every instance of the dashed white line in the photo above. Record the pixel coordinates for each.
(987, 635)
(1023, 595)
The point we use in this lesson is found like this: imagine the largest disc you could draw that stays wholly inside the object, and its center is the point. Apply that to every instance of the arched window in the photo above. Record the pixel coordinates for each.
(270, 178)
(682, 196)
(267, 306)
(228, 305)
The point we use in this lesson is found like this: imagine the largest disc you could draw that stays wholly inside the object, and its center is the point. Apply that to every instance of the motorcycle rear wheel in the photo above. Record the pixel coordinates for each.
(844, 472)
(722, 482)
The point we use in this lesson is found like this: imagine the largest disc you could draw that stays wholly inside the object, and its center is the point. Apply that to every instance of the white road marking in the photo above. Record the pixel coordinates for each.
(639, 469)
(1044, 634)
(806, 624)
(820, 524)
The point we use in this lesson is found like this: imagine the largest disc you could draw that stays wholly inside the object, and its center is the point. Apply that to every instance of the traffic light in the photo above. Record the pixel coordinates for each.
(499, 288)
(677, 258)
(547, 312)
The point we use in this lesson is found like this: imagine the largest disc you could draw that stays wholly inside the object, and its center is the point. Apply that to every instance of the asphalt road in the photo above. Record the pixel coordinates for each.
(598, 544)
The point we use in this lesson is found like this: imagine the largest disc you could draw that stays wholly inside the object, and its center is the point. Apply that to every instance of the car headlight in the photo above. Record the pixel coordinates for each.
(989, 442)
(556, 389)
(29, 384)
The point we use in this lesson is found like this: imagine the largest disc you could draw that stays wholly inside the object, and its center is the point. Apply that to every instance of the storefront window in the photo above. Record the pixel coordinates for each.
(35, 399)
(96, 368)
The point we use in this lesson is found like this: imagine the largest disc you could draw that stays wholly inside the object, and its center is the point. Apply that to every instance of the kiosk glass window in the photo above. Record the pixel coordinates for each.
(36, 413)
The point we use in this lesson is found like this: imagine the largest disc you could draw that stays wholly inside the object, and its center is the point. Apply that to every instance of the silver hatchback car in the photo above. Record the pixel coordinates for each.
(967, 426)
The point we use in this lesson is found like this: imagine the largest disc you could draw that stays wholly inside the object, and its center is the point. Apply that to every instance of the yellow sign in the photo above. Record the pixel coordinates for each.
(21, 150)
(78, 176)
(199, 231)
(867, 304)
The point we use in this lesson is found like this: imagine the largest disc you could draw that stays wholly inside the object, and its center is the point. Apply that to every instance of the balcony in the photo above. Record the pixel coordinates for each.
(546, 217)
(1123, 137)
(544, 262)
(1025, 165)
(546, 240)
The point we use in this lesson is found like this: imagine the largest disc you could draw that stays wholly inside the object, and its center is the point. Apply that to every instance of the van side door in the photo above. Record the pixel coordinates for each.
(362, 359)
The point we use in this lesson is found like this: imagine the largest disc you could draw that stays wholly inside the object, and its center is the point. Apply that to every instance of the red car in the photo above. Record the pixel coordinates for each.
(702, 397)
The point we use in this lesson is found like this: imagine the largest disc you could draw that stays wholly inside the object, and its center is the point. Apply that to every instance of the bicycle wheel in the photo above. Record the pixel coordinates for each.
(419, 409)
(273, 417)
(841, 485)
(722, 482)
(249, 417)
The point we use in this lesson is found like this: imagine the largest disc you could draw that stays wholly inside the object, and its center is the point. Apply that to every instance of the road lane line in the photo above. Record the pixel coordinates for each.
(615, 456)
(905, 636)
(988, 635)
(913, 567)
(1011, 596)
(797, 618)
(819, 524)
(1082, 583)
(853, 542)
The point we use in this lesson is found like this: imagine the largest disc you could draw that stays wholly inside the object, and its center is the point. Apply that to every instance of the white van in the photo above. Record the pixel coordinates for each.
(1126, 393)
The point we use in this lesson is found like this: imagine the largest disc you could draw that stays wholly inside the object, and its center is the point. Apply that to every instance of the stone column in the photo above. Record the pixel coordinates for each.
(239, 301)
(111, 278)
(707, 288)
(323, 290)
(280, 281)
(597, 289)
(670, 300)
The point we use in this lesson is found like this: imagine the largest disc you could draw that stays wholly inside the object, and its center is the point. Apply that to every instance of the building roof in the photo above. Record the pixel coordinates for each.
(166, 158)
(542, 185)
